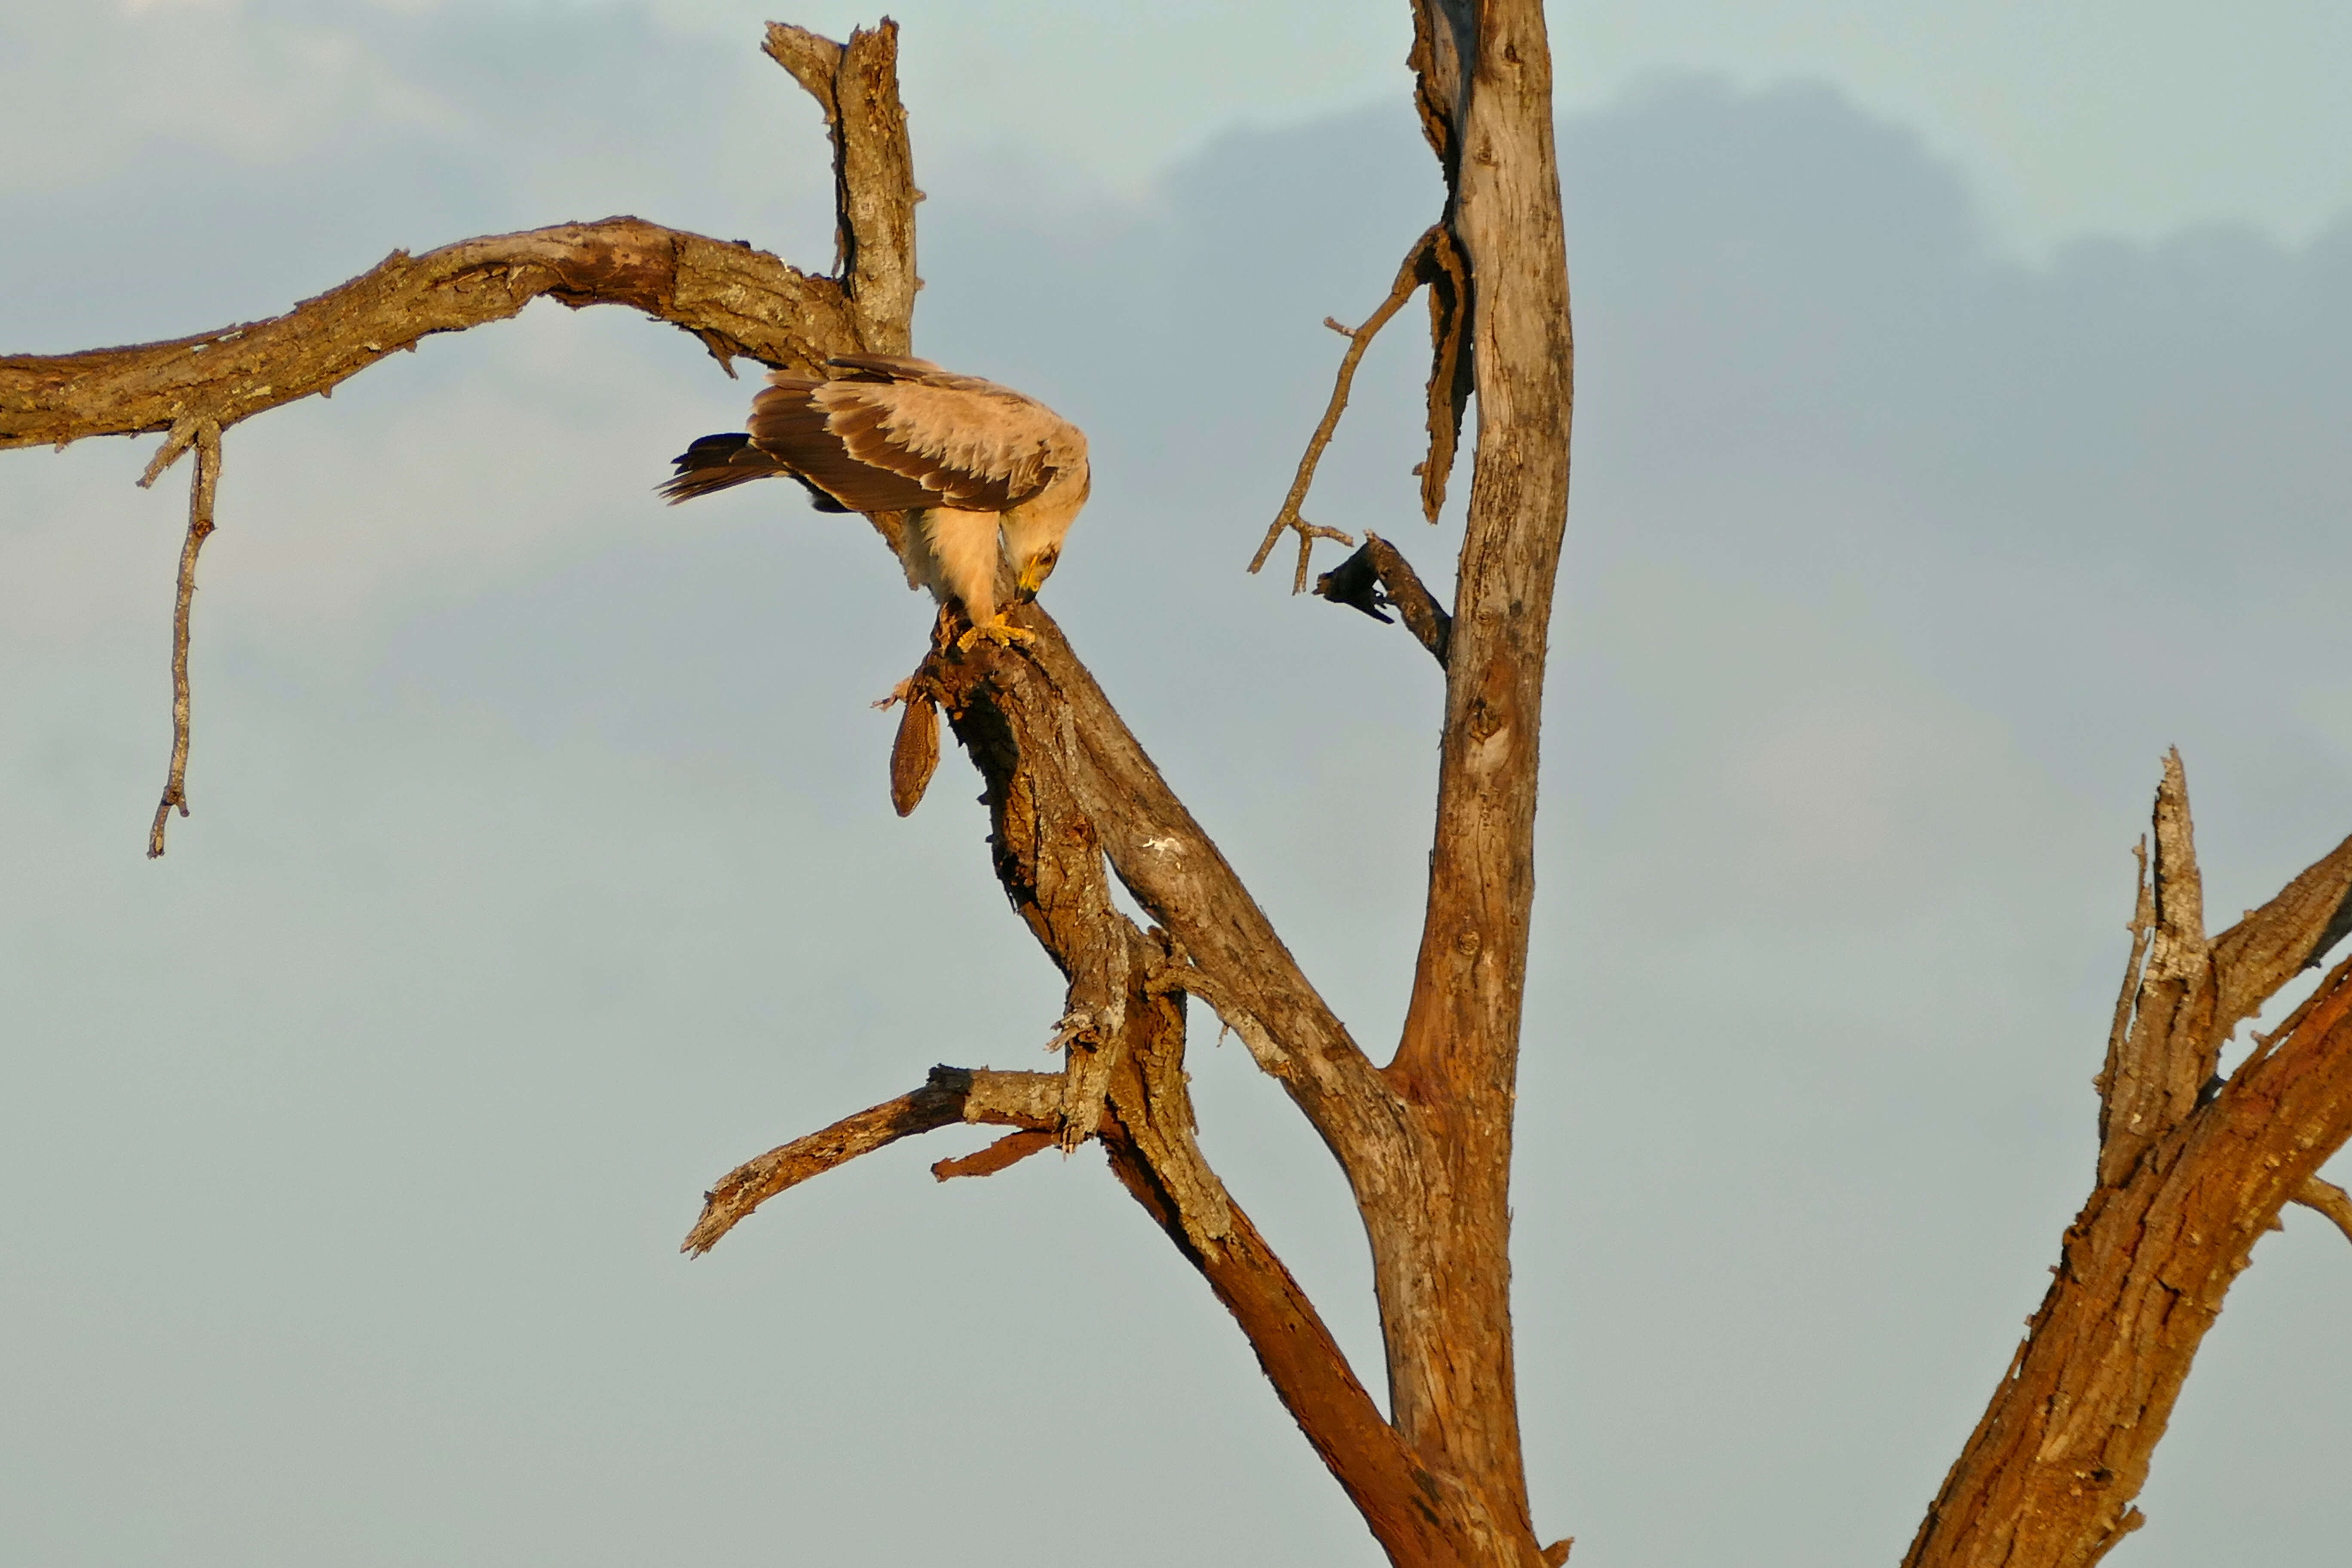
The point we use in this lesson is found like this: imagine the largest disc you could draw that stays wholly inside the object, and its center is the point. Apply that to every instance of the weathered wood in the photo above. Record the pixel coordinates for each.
(2191, 1171)
(738, 301)
(950, 1095)
(1378, 574)
(2048, 1477)
(856, 86)
(203, 493)
(2158, 1066)
(1441, 1264)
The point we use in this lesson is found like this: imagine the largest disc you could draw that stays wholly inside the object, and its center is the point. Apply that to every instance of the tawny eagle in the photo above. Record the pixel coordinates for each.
(982, 472)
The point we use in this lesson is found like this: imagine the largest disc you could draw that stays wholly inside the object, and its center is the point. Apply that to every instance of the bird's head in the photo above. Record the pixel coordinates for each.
(1036, 569)
(1034, 534)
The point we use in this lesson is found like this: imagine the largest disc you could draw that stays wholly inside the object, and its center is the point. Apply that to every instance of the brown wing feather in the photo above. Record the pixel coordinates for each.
(983, 447)
(891, 435)
(787, 424)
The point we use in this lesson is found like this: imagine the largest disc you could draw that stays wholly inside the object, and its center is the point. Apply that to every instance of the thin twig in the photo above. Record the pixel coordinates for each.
(203, 489)
(1407, 279)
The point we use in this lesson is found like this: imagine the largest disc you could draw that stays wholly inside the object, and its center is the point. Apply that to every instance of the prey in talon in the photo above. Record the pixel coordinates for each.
(986, 476)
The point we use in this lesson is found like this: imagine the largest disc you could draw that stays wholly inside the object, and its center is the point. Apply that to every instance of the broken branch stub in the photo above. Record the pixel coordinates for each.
(2329, 1199)
(856, 87)
(2155, 1075)
(1377, 576)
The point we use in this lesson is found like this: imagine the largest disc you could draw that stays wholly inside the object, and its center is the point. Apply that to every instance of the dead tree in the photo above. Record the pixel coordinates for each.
(2193, 1168)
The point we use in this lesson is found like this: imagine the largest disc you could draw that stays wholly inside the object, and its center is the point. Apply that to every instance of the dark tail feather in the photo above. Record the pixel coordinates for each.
(717, 463)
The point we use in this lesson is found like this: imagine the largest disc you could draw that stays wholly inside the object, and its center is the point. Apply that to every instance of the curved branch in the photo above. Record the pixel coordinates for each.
(950, 1095)
(738, 301)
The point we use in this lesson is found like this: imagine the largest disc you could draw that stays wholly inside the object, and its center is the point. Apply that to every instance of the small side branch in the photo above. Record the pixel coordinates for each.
(1006, 1152)
(2287, 936)
(2330, 1200)
(1031, 1101)
(1408, 277)
(203, 488)
(1377, 577)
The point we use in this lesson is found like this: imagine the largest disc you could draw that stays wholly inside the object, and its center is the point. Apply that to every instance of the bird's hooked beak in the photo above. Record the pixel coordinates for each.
(1039, 567)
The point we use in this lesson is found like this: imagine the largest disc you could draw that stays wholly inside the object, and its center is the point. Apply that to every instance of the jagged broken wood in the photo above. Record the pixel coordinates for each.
(2193, 1169)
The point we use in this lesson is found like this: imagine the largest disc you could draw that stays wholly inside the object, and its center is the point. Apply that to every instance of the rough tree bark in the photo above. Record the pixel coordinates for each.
(2192, 1168)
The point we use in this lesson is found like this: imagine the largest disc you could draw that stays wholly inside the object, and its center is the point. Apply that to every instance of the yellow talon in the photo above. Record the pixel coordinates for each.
(998, 630)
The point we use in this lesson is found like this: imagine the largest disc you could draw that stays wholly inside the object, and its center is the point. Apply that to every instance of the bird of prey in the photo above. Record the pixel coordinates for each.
(983, 473)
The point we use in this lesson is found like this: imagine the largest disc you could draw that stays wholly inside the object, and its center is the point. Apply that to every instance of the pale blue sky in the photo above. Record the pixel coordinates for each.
(2131, 117)
(541, 865)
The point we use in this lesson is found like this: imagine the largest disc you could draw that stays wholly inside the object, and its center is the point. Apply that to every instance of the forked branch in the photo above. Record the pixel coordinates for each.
(1072, 795)
(1411, 274)
(856, 86)
(2192, 1171)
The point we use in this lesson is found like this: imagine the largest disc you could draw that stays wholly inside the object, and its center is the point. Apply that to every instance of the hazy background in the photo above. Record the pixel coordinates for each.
(1963, 418)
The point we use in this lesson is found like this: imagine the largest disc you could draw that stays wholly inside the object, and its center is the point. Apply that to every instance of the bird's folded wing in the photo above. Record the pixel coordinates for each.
(889, 445)
(788, 423)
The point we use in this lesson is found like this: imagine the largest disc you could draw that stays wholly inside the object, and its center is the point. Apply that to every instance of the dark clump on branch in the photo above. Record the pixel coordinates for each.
(1376, 577)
